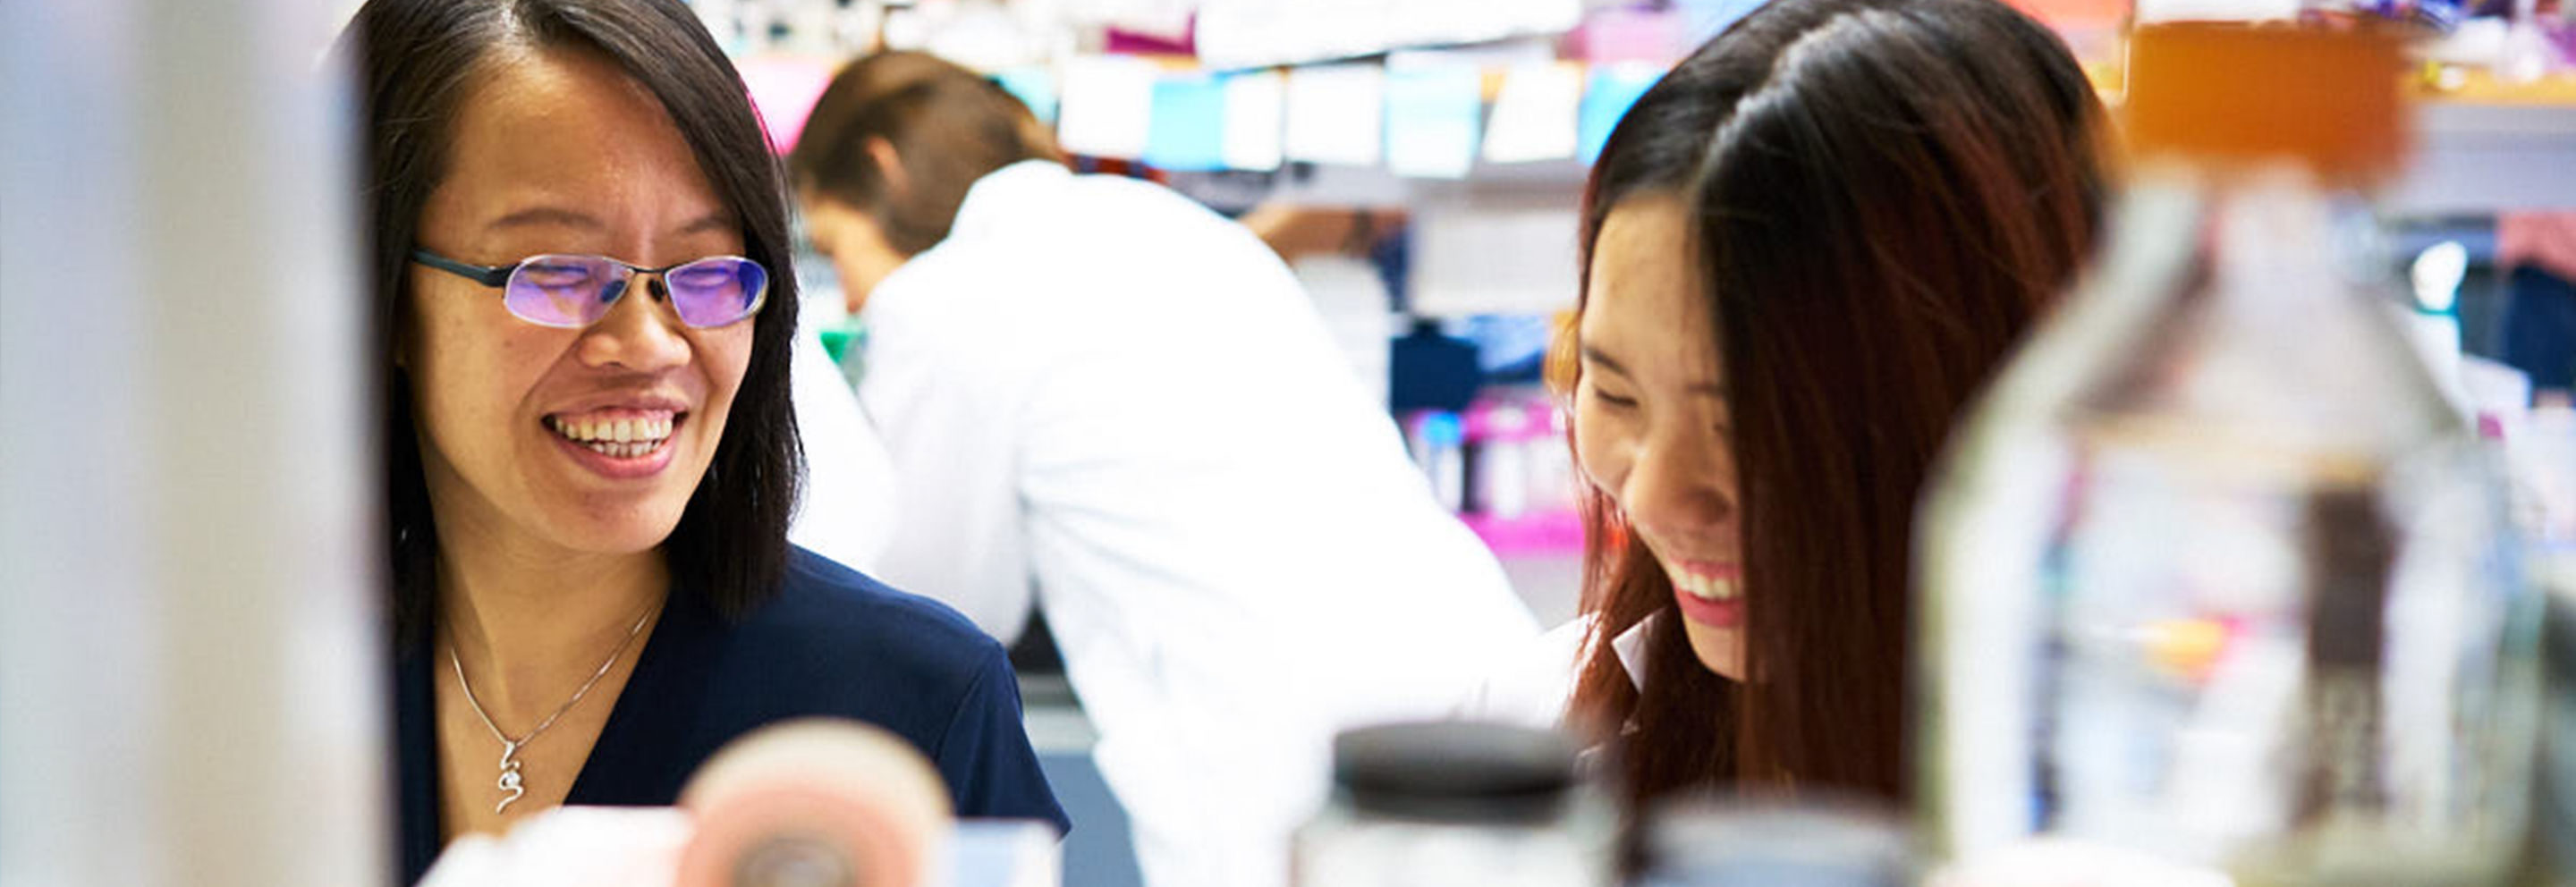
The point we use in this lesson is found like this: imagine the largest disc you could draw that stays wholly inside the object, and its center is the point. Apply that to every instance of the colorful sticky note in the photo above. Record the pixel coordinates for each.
(1107, 107)
(1253, 108)
(1333, 114)
(1034, 87)
(1630, 34)
(1534, 113)
(1606, 99)
(1188, 126)
(1431, 116)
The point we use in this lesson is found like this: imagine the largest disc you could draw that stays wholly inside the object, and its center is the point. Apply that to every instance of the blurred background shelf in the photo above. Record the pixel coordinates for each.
(2483, 156)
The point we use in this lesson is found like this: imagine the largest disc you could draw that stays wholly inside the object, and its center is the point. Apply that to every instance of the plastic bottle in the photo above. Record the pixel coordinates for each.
(2216, 583)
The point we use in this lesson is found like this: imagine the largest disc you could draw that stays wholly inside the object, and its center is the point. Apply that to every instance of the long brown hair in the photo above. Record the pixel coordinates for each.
(1884, 194)
(948, 127)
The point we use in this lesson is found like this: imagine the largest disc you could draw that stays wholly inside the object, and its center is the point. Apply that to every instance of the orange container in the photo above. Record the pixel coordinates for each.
(2324, 98)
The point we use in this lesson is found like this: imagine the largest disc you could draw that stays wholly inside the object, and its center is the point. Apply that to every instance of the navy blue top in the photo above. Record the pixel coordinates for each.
(833, 642)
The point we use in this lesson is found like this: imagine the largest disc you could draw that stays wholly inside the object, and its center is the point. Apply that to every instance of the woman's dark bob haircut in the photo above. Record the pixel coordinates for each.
(418, 61)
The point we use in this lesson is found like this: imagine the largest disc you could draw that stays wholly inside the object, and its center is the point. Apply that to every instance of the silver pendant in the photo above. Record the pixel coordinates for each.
(509, 781)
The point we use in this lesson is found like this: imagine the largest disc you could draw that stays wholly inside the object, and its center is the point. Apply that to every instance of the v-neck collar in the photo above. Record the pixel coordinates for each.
(630, 762)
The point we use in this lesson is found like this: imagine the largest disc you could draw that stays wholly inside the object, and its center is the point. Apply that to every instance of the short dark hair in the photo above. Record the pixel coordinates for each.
(947, 125)
(1885, 195)
(418, 60)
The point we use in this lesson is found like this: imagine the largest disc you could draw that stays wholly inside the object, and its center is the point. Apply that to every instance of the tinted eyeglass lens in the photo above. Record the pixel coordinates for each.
(717, 291)
(563, 290)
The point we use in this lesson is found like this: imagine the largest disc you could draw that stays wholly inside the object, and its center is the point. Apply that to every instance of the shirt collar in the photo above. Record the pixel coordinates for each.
(1631, 647)
(988, 200)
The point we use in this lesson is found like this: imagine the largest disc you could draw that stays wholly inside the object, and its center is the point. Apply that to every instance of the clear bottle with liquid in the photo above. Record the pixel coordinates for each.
(2215, 585)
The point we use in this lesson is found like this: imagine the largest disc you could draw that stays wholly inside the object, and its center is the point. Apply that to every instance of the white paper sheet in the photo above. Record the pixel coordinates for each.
(1334, 114)
(1254, 108)
(1107, 107)
(1534, 114)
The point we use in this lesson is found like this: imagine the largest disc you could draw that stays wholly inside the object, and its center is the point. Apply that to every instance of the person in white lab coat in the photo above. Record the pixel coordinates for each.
(1100, 393)
(847, 511)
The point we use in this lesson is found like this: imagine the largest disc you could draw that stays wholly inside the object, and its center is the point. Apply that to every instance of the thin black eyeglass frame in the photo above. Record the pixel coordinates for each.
(498, 276)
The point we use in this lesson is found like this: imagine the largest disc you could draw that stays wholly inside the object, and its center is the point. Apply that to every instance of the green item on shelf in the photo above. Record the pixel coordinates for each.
(847, 343)
(836, 341)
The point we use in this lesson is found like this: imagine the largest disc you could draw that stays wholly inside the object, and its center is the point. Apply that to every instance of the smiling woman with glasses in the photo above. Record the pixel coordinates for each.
(588, 480)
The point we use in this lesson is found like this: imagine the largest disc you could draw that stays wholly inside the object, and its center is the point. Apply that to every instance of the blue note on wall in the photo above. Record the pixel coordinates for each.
(1034, 87)
(1188, 130)
(1613, 88)
(1431, 115)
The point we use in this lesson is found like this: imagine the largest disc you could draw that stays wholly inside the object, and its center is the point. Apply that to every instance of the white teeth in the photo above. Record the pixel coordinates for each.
(646, 433)
(1697, 586)
(1707, 588)
(623, 450)
(616, 439)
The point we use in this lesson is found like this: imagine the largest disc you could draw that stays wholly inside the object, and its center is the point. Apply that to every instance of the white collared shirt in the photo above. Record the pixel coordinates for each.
(1533, 685)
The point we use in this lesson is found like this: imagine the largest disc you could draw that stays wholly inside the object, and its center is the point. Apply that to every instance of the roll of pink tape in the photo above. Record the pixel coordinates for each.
(815, 803)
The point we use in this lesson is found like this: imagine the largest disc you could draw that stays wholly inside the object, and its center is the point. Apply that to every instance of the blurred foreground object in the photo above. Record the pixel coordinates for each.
(1742, 843)
(2553, 857)
(1455, 804)
(812, 803)
(190, 682)
(815, 804)
(2217, 580)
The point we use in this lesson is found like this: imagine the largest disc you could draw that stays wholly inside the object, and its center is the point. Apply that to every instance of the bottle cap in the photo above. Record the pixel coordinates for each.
(2326, 98)
(1455, 771)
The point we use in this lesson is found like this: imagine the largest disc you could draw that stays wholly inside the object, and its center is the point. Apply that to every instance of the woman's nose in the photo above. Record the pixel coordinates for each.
(1681, 487)
(637, 334)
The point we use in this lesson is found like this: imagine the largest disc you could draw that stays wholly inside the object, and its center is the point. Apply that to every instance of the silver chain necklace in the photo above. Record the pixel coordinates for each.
(510, 780)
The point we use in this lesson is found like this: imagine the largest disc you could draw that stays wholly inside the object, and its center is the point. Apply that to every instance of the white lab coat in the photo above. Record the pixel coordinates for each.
(1097, 391)
(846, 511)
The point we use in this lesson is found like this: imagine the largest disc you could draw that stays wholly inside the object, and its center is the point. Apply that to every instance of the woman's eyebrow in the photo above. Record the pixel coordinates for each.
(538, 216)
(546, 215)
(1595, 356)
(711, 223)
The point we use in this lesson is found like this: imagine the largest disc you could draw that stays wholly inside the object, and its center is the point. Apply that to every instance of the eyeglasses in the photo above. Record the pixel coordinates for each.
(571, 292)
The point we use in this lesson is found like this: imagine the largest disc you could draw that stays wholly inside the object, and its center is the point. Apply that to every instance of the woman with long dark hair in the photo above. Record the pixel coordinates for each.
(1804, 250)
(580, 270)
